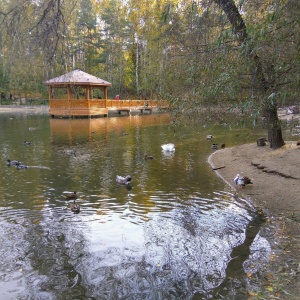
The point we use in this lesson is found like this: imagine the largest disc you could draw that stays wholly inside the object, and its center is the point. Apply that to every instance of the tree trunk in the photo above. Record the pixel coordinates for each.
(270, 106)
(274, 126)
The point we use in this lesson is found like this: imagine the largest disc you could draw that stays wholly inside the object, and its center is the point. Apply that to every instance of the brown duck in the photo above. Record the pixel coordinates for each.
(70, 196)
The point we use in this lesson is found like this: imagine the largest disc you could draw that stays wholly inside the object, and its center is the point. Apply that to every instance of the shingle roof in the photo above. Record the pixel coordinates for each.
(77, 77)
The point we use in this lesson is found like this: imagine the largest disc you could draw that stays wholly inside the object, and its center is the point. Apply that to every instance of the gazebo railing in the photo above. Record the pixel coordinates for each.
(136, 103)
(109, 103)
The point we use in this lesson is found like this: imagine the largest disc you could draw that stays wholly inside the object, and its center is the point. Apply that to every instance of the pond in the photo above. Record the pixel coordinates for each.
(170, 235)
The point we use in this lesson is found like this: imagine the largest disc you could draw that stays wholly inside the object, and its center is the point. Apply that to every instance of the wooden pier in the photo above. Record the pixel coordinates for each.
(79, 94)
(98, 108)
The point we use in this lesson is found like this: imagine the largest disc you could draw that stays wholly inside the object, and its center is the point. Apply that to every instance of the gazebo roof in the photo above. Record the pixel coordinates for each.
(77, 77)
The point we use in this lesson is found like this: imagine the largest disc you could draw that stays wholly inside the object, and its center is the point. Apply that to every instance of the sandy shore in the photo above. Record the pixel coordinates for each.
(24, 109)
(275, 191)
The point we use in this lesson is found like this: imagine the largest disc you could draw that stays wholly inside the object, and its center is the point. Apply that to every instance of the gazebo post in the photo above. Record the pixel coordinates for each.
(105, 94)
(69, 96)
(88, 90)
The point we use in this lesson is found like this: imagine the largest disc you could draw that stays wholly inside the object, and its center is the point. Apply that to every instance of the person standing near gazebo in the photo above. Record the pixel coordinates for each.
(117, 97)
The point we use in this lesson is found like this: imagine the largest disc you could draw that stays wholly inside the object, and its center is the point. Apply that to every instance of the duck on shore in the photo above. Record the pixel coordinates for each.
(242, 181)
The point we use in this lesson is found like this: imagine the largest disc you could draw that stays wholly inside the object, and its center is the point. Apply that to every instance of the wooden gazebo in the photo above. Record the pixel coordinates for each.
(77, 94)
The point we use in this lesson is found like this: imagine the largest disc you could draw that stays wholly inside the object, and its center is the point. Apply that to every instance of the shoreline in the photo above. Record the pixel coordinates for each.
(275, 192)
(24, 109)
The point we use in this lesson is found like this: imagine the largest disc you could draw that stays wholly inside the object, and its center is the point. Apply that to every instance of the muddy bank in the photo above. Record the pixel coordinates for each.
(276, 192)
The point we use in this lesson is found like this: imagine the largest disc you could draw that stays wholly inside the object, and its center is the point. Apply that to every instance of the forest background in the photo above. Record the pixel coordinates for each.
(233, 55)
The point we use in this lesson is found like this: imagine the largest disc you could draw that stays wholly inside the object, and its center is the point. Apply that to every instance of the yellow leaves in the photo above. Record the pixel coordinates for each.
(269, 276)
(252, 294)
(272, 257)
(269, 288)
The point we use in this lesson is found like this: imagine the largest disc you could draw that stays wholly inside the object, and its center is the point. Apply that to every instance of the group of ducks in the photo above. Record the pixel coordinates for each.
(240, 181)
(170, 147)
(122, 180)
(75, 208)
(16, 163)
(210, 137)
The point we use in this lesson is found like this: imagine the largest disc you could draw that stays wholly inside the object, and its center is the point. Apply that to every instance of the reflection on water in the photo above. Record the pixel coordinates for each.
(74, 131)
(169, 237)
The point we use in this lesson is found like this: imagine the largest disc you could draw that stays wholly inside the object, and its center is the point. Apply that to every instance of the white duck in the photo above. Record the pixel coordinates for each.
(168, 147)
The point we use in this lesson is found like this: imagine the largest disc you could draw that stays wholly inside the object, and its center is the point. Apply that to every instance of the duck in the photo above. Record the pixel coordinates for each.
(242, 181)
(168, 147)
(21, 167)
(26, 143)
(71, 195)
(75, 207)
(13, 162)
(214, 146)
(247, 180)
(209, 137)
(71, 152)
(123, 180)
(148, 157)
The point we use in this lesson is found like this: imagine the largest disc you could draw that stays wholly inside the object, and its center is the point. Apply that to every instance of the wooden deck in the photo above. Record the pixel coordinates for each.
(99, 107)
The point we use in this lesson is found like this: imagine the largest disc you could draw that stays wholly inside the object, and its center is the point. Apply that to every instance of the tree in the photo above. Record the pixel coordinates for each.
(207, 56)
(261, 84)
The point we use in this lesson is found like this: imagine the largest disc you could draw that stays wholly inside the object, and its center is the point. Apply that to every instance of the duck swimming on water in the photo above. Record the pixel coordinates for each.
(123, 180)
(21, 167)
(75, 207)
(13, 162)
(148, 157)
(71, 195)
(168, 147)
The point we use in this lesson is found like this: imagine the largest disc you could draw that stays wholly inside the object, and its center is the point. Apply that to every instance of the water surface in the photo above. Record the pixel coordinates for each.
(169, 236)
